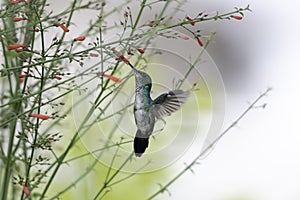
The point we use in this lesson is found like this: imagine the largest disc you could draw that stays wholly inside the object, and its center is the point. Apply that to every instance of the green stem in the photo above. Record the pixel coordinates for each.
(39, 100)
(14, 109)
(60, 160)
(112, 177)
(180, 82)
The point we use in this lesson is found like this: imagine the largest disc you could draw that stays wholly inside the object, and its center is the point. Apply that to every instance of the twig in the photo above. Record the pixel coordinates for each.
(209, 147)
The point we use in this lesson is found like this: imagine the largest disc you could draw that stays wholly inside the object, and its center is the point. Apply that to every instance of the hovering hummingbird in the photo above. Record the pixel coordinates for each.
(148, 111)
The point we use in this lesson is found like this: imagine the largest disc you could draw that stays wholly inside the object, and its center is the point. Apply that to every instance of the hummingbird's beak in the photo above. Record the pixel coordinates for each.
(131, 65)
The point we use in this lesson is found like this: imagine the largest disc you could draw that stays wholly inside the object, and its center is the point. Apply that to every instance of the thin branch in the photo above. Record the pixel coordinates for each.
(209, 147)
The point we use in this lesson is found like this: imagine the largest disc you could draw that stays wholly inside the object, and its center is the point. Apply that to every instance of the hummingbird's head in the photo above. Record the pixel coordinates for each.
(142, 79)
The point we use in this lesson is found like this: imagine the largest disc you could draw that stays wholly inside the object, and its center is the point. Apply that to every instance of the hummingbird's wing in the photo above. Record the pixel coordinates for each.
(167, 103)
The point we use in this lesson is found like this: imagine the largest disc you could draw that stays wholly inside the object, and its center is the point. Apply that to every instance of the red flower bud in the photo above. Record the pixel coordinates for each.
(236, 17)
(184, 37)
(25, 190)
(58, 77)
(122, 57)
(14, 2)
(64, 28)
(94, 54)
(113, 78)
(43, 117)
(22, 75)
(17, 19)
(80, 38)
(199, 42)
(15, 46)
(191, 21)
(141, 50)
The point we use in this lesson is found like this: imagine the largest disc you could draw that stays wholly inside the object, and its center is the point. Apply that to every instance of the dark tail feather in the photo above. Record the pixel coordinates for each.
(140, 145)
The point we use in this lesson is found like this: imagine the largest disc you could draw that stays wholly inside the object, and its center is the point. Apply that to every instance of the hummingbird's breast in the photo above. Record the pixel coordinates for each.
(144, 117)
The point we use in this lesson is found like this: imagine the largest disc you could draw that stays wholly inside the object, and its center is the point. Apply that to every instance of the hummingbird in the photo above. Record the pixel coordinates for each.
(148, 111)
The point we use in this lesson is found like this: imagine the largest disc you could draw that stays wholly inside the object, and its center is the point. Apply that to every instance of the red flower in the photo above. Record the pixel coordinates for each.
(22, 75)
(58, 77)
(80, 38)
(43, 117)
(199, 42)
(113, 78)
(122, 57)
(25, 190)
(14, 2)
(36, 30)
(15, 46)
(184, 37)
(94, 54)
(236, 17)
(191, 21)
(17, 19)
(141, 50)
(64, 28)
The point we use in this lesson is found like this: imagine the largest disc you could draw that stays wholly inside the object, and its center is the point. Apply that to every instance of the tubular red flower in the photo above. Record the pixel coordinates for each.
(18, 19)
(58, 77)
(43, 117)
(113, 78)
(80, 38)
(141, 50)
(199, 42)
(191, 21)
(15, 46)
(25, 190)
(22, 75)
(94, 54)
(14, 2)
(184, 37)
(236, 17)
(64, 28)
(122, 57)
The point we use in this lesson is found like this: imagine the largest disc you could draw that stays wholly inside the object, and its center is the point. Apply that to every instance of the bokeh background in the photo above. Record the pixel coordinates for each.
(259, 158)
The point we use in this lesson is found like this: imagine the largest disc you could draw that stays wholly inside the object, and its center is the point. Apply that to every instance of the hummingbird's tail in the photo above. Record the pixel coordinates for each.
(140, 144)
